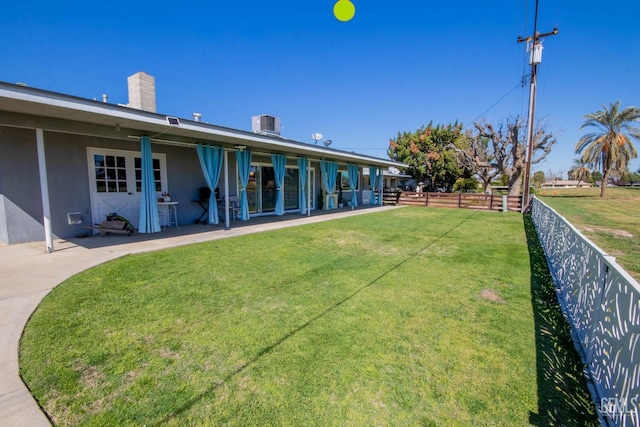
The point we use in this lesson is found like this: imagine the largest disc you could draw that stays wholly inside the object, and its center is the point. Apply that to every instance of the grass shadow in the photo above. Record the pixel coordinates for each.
(563, 396)
(318, 317)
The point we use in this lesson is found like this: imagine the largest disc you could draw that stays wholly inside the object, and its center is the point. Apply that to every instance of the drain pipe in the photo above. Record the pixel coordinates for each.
(44, 190)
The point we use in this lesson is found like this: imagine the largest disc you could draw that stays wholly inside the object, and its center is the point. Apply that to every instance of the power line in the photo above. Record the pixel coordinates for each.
(498, 101)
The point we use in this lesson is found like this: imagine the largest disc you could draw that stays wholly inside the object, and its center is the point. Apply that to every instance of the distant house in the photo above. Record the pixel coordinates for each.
(67, 162)
(392, 178)
(565, 183)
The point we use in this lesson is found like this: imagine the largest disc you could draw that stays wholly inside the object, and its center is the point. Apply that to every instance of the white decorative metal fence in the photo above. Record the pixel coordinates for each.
(602, 304)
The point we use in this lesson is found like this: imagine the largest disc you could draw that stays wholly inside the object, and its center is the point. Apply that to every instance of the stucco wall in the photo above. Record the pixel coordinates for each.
(69, 187)
(21, 203)
(68, 168)
(185, 179)
(68, 179)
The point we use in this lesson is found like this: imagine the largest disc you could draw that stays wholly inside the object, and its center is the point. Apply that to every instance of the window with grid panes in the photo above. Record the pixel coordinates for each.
(156, 174)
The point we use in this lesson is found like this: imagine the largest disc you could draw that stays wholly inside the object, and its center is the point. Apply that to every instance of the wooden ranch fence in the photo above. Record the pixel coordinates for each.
(486, 202)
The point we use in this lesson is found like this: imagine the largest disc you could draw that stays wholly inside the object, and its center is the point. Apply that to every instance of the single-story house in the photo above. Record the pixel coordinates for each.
(68, 162)
(392, 178)
(565, 183)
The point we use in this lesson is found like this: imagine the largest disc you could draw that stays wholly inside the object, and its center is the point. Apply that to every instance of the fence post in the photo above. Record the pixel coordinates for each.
(459, 200)
(427, 199)
(491, 202)
(505, 203)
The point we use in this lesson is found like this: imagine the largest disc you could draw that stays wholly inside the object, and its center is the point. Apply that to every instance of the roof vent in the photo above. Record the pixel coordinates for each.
(265, 124)
(197, 117)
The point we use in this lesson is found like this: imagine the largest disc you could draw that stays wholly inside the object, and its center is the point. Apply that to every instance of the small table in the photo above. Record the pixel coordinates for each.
(168, 208)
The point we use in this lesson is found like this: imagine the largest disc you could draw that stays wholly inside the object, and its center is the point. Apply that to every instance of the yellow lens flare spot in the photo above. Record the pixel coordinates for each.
(344, 10)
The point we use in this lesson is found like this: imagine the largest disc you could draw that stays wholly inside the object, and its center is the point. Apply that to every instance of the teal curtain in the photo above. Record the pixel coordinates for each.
(373, 180)
(279, 162)
(352, 171)
(149, 222)
(211, 163)
(329, 171)
(302, 173)
(243, 160)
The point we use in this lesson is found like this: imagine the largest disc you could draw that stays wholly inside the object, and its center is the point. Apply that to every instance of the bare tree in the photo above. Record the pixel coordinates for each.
(477, 157)
(507, 144)
(554, 175)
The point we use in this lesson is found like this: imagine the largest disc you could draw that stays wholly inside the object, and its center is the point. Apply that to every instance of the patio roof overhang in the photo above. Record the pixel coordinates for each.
(27, 107)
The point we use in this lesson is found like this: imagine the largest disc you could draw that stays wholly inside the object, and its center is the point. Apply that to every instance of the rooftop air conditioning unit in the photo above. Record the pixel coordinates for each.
(265, 124)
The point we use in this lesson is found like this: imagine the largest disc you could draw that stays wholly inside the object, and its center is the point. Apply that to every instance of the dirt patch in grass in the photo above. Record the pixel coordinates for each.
(617, 233)
(492, 295)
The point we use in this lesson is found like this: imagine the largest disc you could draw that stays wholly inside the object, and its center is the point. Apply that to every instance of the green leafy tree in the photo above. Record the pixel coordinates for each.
(429, 154)
(610, 146)
(596, 176)
(628, 177)
(538, 179)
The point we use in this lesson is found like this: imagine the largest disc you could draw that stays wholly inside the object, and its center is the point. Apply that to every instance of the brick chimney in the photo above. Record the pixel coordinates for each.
(142, 91)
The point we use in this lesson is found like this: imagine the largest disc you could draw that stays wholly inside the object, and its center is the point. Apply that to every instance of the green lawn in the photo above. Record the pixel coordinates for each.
(413, 316)
(612, 222)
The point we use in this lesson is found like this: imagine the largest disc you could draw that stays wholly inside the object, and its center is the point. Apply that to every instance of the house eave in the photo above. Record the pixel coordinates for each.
(37, 104)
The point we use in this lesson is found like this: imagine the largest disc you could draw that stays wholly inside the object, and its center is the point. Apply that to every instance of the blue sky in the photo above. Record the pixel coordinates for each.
(394, 67)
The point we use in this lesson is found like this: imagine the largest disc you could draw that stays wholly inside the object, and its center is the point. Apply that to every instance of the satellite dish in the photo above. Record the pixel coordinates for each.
(327, 142)
(316, 136)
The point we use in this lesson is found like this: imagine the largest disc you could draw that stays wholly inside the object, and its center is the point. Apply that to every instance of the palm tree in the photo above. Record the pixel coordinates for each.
(610, 146)
(579, 170)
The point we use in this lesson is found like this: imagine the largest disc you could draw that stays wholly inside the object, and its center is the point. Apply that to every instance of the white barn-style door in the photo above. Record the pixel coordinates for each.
(114, 181)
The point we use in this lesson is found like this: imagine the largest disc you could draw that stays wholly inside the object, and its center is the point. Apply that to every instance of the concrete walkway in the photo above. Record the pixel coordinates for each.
(27, 274)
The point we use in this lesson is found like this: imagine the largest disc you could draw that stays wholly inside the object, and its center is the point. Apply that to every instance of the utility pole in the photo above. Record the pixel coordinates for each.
(534, 46)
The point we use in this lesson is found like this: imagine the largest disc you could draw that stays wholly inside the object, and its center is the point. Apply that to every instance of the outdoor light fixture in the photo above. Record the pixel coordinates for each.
(173, 121)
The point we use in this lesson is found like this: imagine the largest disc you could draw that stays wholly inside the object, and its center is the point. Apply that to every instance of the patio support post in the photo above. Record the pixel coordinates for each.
(227, 222)
(309, 188)
(44, 190)
(380, 186)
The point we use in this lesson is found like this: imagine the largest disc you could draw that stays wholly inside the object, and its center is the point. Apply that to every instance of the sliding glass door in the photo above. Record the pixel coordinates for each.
(268, 189)
(291, 189)
(252, 190)
(261, 189)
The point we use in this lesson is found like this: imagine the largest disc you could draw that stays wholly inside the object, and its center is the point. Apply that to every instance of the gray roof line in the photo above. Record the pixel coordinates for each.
(70, 102)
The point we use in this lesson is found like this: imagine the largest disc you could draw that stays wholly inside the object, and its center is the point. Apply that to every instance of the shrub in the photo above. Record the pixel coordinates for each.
(465, 184)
